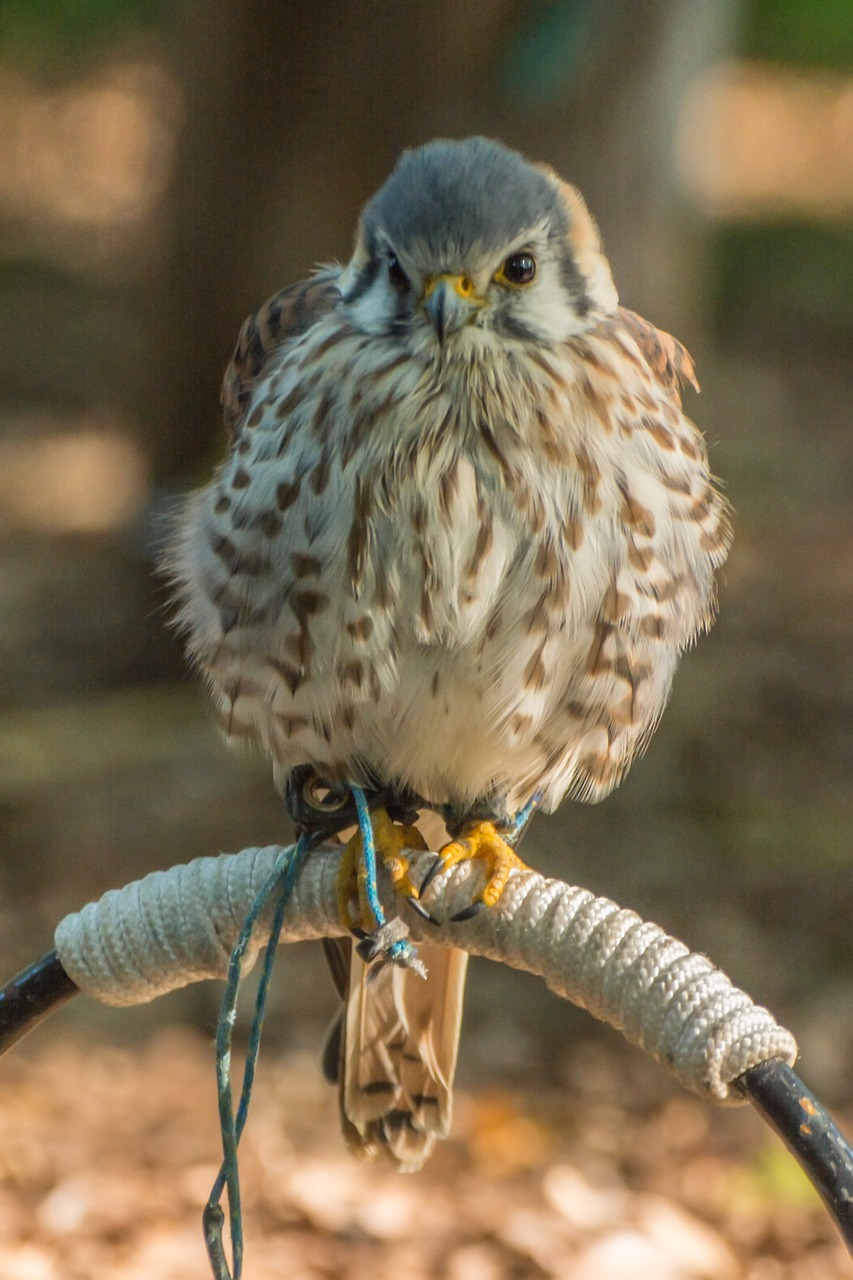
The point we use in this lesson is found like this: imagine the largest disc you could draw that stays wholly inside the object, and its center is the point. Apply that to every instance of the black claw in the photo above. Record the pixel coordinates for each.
(431, 874)
(468, 913)
(421, 910)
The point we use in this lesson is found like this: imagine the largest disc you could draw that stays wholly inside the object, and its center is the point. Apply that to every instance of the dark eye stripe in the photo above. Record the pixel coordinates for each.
(396, 274)
(364, 280)
(510, 326)
(573, 282)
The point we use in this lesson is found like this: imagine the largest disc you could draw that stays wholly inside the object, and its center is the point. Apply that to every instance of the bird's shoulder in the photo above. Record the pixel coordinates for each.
(287, 314)
(667, 358)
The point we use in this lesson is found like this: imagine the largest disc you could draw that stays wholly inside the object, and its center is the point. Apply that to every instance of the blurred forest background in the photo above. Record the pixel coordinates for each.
(165, 165)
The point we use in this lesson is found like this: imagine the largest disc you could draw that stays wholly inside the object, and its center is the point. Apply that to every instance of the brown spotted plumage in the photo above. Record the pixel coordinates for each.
(463, 535)
(288, 313)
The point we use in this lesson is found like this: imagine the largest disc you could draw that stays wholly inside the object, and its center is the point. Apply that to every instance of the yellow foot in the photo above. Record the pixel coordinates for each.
(481, 840)
(390, 839)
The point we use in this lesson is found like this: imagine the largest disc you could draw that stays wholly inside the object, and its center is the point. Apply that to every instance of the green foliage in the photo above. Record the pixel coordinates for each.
(804, 32)
(785, 279)
(772, 1178)
(554, 41)
(775, 832)
(59, 28)
(780, 280)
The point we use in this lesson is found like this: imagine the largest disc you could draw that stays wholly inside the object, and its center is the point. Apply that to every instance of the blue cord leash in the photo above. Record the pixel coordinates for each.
(384, 944)
(522, 818)
(365, 826)
(280, 882)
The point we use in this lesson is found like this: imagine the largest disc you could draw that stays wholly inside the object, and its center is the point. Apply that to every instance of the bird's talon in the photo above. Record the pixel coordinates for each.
(482, 840)
(390, 839)
(431, 874)
(468, 912)
(421, 911)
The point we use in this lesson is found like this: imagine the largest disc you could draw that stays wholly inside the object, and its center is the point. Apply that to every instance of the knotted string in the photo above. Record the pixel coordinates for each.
(385, 943)
(279, 883)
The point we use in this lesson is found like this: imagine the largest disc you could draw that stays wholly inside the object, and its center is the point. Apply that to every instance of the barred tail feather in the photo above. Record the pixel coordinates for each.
(400, 1043)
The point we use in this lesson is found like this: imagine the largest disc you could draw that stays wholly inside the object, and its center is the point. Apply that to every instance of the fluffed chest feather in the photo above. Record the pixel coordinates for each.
(389, 554)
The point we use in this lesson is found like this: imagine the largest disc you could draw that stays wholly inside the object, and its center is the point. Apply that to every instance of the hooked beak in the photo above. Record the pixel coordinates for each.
(450, 302)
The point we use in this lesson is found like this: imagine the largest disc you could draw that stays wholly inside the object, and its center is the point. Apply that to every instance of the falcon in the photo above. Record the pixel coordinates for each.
(462, 535)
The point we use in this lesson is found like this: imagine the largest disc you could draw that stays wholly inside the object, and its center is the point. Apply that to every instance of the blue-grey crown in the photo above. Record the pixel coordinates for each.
(448, 197)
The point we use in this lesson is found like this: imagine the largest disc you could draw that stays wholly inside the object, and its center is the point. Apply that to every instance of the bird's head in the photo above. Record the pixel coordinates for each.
(469, 238)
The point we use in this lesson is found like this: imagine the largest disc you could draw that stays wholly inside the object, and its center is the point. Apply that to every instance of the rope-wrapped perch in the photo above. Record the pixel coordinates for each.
(179, 926)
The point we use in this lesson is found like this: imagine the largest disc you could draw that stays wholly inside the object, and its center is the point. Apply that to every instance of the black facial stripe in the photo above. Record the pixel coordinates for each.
(400, 324)
(572, 280)
(509, 326)
(403, 309)
(364, 280)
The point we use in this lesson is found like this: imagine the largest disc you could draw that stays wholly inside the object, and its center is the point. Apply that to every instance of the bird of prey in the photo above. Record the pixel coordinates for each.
(462, 535)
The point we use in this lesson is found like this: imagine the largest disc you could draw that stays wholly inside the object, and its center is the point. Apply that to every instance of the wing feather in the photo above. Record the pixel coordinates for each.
(668, 360)
(287, 314)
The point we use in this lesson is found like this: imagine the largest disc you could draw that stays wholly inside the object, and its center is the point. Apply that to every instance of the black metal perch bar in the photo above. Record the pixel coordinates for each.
(177, 927)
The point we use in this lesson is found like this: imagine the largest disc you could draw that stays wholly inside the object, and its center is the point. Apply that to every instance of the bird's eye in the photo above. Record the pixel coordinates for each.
(519, 268)
(396, 274)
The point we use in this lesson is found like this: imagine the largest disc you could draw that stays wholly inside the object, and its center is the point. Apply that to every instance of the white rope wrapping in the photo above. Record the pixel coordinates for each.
(179, 926)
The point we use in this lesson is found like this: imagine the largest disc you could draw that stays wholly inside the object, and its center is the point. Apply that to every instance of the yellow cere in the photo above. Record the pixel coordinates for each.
(463, 285)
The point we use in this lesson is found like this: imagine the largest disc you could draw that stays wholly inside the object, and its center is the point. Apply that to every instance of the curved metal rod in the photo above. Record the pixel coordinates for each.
(774, 1089)
(809, 1133)
(31, 996)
